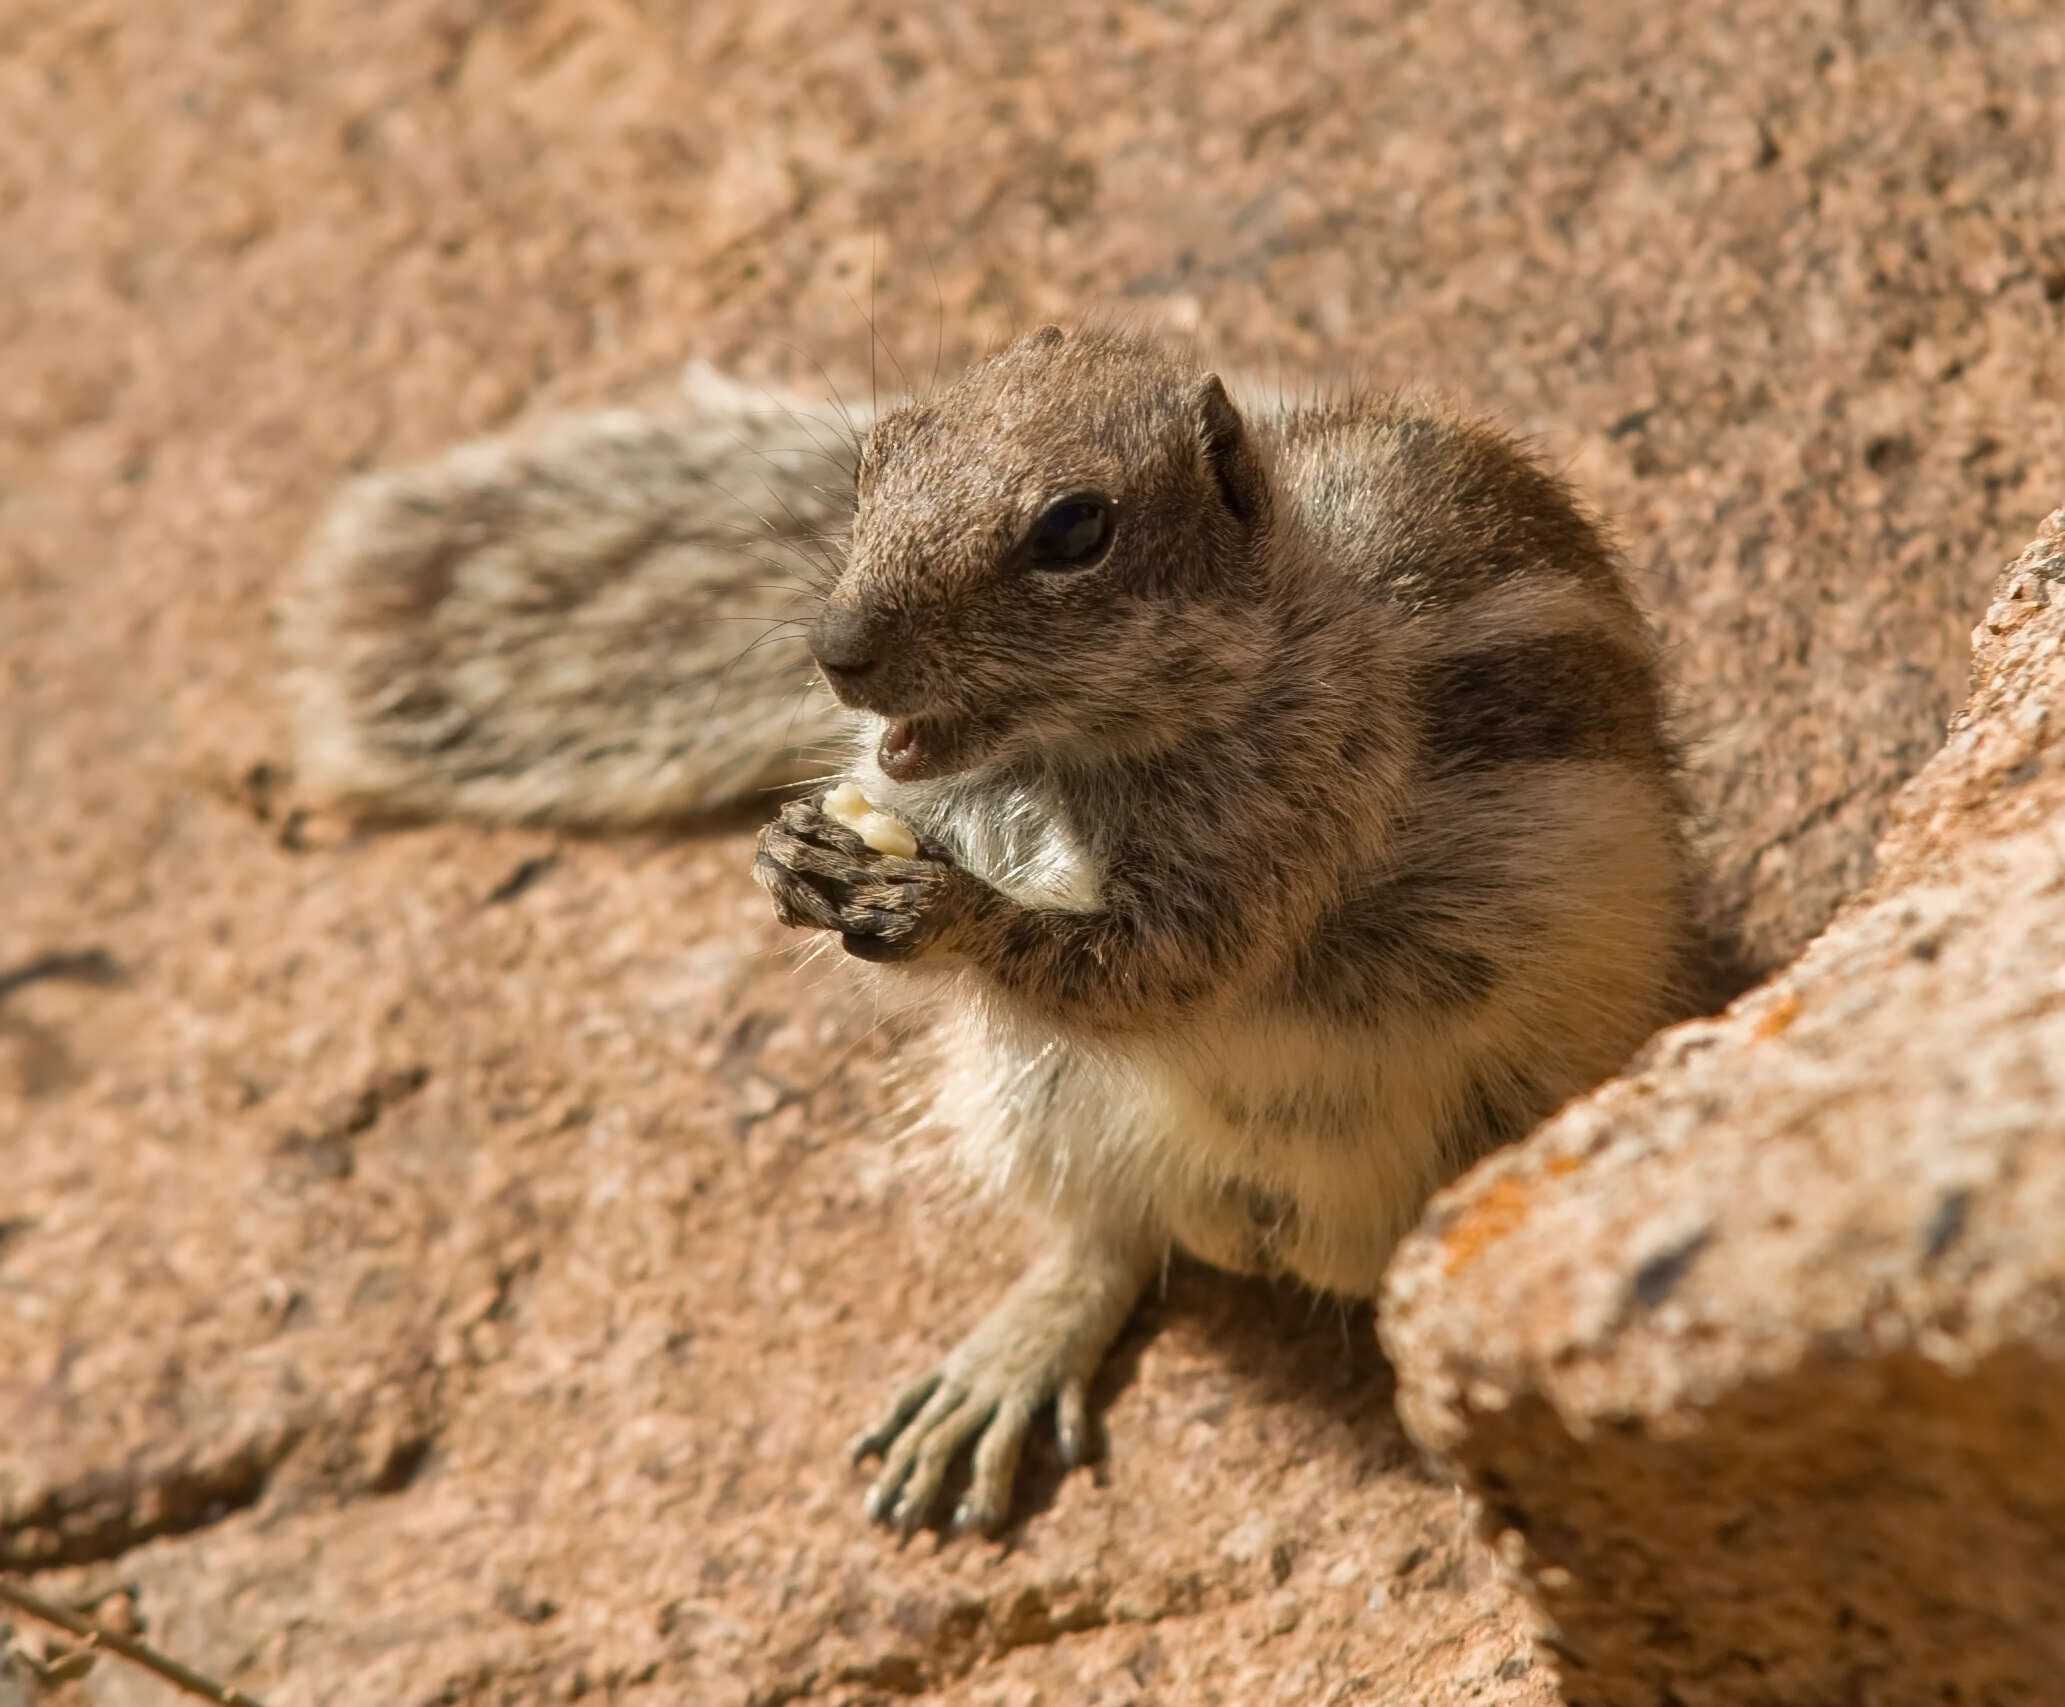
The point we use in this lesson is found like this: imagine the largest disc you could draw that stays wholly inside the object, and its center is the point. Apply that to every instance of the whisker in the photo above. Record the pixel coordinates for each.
(724, 676)
(938, 322)
(853, 433)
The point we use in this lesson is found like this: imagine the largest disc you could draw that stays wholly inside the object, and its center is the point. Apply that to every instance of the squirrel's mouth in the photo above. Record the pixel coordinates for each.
(913, 748)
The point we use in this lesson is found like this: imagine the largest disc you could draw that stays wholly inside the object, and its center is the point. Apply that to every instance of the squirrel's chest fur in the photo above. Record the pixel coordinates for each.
(1015, 835)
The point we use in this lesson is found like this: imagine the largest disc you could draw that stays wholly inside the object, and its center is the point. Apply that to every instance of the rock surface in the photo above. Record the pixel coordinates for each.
(1757, 1356)
(442, 1267)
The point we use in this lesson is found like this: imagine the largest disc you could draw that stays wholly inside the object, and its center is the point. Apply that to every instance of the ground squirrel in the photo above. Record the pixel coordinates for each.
(1296, 812)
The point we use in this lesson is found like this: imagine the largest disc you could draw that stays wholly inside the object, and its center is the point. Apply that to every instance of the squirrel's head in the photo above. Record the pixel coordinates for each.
(1061, 553)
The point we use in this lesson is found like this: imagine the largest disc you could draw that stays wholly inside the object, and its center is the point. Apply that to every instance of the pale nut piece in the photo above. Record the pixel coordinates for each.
(881, 831)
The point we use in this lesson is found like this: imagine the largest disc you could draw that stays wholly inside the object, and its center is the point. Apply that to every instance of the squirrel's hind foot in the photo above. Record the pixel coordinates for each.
(1044, 1342)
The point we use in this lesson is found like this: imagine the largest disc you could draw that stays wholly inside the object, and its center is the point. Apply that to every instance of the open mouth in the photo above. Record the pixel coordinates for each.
(916, 747)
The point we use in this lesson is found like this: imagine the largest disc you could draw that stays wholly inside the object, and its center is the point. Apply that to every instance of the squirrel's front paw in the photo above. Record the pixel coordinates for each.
(821, 874)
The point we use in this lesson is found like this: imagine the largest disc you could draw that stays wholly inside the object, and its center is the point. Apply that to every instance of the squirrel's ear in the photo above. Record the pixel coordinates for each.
(1049, 336)
(1229, 450)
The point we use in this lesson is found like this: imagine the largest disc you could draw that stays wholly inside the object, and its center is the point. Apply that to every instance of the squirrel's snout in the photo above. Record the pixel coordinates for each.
(845, 644)
(863, 662)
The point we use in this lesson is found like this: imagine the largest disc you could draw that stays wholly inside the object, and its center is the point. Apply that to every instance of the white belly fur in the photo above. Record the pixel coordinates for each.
(1143, 1132)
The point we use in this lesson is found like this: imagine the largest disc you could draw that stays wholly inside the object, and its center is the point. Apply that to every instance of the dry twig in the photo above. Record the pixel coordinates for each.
(139, 1653)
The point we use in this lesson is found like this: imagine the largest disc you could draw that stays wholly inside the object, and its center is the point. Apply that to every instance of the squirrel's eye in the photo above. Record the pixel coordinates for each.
(1071, 534)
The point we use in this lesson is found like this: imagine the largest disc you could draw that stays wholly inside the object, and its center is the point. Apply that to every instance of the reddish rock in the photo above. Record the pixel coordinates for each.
(1756, 1358)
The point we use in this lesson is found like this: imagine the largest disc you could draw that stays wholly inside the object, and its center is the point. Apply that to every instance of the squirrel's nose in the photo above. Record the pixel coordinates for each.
(843, 643)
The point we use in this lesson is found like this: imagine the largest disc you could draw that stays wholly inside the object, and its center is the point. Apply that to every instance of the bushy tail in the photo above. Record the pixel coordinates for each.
(600, 623)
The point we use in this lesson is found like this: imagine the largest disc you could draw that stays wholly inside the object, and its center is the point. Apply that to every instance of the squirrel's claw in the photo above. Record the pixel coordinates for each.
(908, 1488)
(1072, 1423)
(875, 1442)
(988, 1500)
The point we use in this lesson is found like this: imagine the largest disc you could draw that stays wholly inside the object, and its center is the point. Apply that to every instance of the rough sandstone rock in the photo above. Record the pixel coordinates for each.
(1757, 1356)
(534, 1382)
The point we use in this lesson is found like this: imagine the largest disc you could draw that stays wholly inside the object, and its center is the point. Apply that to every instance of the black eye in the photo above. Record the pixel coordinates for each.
(1071, 534)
